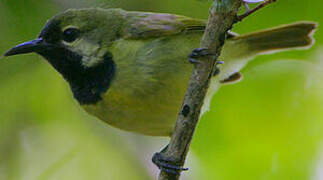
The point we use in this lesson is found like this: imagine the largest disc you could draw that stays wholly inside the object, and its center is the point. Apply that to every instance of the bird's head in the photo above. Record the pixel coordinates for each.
(76, 44)
(75, 35)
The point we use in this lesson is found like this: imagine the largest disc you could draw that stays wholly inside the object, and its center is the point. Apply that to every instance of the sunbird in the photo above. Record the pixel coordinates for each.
(131, 69)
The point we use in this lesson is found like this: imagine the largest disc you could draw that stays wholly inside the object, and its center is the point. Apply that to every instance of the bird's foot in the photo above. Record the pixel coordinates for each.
(198, 53)
(217, 69)
(167, 164)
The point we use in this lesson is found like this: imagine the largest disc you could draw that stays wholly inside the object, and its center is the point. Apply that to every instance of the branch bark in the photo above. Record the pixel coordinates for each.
(223, 14)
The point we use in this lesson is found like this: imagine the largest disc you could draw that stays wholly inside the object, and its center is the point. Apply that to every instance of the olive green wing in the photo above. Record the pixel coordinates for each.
(141, 25)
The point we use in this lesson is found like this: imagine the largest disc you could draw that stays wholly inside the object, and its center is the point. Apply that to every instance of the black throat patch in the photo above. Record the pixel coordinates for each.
(87, 83)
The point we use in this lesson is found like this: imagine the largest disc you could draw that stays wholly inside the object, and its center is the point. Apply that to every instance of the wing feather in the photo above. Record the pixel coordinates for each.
(141, 25)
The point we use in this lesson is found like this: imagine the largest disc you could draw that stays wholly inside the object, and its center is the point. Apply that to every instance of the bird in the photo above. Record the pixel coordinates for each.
(130, 69)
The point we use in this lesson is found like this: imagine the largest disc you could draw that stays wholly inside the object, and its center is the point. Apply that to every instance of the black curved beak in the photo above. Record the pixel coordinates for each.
(27, 47)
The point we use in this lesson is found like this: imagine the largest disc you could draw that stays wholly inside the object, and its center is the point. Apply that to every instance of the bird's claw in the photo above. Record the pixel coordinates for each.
(194, 61)
(219, 62)
(217, 70)
(166, 164)
(203, 52)
(198, 53)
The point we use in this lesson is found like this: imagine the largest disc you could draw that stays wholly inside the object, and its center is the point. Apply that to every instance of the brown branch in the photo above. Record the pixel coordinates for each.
(223, 14)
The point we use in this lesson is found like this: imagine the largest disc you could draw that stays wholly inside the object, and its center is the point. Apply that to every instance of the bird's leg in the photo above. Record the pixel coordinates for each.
(200, 53)
(217, 69)
(167, 164)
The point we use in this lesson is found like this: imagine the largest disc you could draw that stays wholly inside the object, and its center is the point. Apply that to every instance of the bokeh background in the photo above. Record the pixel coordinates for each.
(269, 126)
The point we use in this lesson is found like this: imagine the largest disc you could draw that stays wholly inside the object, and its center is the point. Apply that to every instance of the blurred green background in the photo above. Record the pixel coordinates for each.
(269, 126)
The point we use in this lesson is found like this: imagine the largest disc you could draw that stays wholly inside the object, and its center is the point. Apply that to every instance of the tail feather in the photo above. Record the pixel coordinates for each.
(236, 55)
(298, 35)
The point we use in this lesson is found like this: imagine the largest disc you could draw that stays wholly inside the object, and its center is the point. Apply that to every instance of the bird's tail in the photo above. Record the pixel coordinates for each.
(297, 35)
(239, 50)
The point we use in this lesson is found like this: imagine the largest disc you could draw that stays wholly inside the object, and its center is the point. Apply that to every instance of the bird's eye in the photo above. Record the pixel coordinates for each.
(71, 34)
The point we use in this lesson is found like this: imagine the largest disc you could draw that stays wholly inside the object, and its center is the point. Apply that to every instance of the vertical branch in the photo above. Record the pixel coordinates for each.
(223, 14)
